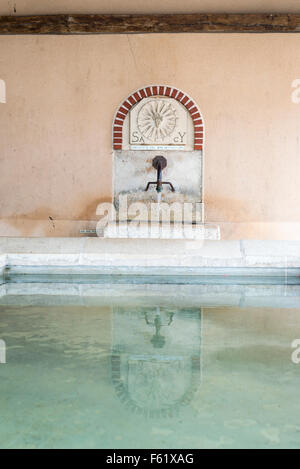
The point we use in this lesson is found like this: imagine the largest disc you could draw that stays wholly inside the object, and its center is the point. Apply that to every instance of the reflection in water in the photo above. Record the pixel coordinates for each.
(85, 371)
(155, 374)
(158, 341)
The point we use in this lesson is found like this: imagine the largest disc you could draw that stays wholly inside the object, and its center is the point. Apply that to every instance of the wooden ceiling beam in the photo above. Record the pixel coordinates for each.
(146, 24)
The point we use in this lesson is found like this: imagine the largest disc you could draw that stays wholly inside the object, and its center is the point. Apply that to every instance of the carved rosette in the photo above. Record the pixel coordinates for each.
(156, 120)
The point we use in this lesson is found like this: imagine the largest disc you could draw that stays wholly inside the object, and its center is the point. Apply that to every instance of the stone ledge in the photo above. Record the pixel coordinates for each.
(270, 248)
(156, 230)
(145, 253)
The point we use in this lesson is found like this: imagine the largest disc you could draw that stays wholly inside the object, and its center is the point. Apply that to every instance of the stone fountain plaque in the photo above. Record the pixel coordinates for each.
(158, 123)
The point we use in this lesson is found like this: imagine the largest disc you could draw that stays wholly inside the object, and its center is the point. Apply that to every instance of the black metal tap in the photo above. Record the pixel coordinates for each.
(159, 163)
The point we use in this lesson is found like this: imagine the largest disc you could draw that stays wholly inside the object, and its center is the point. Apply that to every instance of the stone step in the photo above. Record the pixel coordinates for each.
(156, 230)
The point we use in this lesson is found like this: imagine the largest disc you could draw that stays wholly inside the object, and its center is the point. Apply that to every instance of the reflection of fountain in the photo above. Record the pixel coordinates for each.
(158, 341)
(150, 381)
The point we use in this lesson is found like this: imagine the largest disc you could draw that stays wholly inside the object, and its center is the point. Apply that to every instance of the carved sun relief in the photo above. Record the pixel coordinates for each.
(156, 120)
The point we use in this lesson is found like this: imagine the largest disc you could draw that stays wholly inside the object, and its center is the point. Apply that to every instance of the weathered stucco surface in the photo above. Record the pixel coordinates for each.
(61, 95)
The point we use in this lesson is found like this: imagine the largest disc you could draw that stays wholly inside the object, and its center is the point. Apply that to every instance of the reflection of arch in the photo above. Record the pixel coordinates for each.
(2, 92)
(158, 90)
(124, 395)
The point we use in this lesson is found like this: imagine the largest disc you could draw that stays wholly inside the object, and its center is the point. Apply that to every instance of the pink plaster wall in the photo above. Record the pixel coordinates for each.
(62, 93)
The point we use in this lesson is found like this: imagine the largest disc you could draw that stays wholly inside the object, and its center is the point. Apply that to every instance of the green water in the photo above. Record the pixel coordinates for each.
(145, 371)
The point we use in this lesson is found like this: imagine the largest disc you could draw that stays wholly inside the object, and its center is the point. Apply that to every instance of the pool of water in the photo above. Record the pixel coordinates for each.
(106, 365)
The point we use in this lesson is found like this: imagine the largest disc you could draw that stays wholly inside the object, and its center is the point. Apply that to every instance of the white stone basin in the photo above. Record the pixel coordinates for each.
(156, 230)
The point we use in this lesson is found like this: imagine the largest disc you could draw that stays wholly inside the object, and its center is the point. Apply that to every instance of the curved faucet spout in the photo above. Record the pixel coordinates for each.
(159, 163)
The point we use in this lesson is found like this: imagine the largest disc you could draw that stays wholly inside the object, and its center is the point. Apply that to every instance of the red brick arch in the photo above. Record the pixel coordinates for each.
(158, 90)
